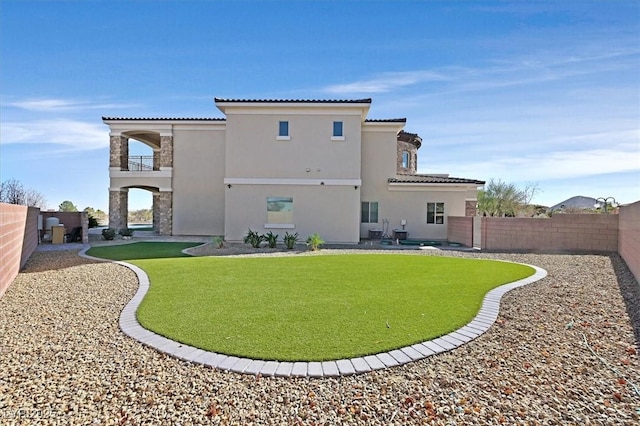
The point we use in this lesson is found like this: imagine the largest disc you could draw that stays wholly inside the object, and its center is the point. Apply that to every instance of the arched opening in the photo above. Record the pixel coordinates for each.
(140, 209)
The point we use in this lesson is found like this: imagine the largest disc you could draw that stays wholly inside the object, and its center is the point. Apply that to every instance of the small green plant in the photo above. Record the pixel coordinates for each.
(108, 234)
(254, 238)
(126, 232)
(314, 241)
(218, 242)
(93, 222)
(271, 239)
(290, 240)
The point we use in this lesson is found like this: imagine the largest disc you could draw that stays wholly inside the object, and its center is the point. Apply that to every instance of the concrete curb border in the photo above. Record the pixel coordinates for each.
(479, 325)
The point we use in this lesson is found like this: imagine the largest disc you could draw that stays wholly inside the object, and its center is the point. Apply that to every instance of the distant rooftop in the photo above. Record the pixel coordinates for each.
(161, 119)
(434, 179)
(298, 101)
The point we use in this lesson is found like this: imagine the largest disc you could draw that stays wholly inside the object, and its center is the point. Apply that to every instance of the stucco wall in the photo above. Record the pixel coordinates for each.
(629, 237)
(562, 232)
(253, 151)
(18, 240)
(198, 176)
(331, 211)
(460, 230)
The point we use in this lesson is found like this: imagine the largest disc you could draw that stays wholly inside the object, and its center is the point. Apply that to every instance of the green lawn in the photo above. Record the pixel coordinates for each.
(312, 308)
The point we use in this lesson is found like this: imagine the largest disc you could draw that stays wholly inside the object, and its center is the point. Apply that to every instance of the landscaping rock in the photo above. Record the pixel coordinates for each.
(563, 351)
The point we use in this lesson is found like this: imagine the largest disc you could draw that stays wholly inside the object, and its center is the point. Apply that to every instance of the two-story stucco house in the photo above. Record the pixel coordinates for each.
(302, 166)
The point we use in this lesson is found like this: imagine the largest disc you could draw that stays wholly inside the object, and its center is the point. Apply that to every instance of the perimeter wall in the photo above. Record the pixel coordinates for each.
(629, 237)
(18, 239)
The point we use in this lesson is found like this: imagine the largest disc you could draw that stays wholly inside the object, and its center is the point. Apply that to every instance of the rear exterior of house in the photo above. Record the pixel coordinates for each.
(297, 166)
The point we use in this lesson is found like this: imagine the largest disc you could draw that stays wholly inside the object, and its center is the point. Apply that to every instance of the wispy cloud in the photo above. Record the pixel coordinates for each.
(386, 82)
(78, 135)
(55, 105)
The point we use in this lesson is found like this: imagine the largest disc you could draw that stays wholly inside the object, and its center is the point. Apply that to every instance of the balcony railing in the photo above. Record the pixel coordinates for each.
(140, 163)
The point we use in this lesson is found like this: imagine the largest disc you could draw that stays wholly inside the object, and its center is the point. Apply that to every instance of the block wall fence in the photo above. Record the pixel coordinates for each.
(18, 240)
(561, 233)
(629, 237)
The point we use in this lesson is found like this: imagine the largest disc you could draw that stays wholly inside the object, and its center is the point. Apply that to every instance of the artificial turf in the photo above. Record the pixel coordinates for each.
(314, 308)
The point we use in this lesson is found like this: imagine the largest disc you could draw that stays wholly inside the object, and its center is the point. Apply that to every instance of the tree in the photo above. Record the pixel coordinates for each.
(505, 199)
(96, 217)
(13, 192)
(67, 206)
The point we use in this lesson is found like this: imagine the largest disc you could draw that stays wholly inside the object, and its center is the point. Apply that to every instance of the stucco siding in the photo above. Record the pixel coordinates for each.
(331, 211)
(198, 176)
(254, 151)
(411, 205)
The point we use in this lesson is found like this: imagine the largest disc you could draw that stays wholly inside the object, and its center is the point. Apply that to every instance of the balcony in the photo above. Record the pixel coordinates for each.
(140, 163)
(140, 173)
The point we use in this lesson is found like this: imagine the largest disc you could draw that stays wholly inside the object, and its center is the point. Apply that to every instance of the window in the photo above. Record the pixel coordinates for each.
(405, 159)
(338, 134)
(435, 213)
(283, 130)
(369, 212)
(279, 210)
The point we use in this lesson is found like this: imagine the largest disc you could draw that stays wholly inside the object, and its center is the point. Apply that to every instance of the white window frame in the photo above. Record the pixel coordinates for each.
(339, 137)
(369, 203)
(280, 136)
(407, 156)
(436, 214)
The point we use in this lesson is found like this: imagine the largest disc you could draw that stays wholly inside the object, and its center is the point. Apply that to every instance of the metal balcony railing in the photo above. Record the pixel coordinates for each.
(140, 163)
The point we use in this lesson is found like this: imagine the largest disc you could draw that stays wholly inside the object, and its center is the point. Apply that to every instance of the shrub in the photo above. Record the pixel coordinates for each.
(218, 242)
(126, 232)
(314, 241)
(271, 239)
(93, 222)
(254, 238)
(108, 234)
(290, 240)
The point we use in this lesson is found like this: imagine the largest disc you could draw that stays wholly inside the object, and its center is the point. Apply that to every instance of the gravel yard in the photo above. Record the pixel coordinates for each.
(63, 359)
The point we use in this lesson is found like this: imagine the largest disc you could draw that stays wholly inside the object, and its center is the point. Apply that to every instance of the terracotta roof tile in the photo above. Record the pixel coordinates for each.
(386, 120)
(302, 101)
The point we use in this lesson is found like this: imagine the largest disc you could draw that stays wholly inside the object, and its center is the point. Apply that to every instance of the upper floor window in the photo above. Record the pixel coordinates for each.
(435, 213)
(283, 130)
(369, 212)
(338, 134)
(405, 159)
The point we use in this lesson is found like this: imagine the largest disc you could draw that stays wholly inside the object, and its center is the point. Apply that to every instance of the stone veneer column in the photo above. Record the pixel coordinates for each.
(156, 159)
(164, 209)
(119, 152)
(166, 151)
(156, 212)
(118, 208)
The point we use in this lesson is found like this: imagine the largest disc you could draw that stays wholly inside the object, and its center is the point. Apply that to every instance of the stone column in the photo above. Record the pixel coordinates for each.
(118, 208)
(156, 159)
(119, 152)
(165, 213)
(156, 212)
(166, 151)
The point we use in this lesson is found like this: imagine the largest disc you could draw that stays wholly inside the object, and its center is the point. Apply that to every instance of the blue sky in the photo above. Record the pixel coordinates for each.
(543, 92)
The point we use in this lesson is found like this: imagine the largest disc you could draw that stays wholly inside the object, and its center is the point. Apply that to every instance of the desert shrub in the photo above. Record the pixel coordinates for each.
(271, 239)
(314, 241)
(290, 240)
(254, 238)
(108, 234)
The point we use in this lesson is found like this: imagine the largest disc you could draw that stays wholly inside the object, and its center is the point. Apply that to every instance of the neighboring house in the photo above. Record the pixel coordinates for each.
(302, 166)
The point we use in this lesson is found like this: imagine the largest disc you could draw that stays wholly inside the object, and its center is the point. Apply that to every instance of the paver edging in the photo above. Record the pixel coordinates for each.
(479, 325)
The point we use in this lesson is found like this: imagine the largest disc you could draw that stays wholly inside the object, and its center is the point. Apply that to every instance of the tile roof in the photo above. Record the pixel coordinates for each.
(161, 118)
(434, 179)
(301, 101)
(386, 120)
